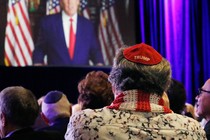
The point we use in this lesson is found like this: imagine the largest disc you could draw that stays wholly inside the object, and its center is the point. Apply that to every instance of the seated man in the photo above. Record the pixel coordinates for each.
(56, 110)
(18, 111)
(203, 106)
(139, 77)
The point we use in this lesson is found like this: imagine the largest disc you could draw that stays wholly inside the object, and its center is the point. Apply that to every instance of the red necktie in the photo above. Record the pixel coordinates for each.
(72, 39)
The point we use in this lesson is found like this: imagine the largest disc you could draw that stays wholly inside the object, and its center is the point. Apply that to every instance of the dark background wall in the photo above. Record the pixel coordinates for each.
(3, 17)
(40, 80)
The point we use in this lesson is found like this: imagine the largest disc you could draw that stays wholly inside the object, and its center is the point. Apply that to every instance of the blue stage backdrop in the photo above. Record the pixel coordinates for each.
(180, 31)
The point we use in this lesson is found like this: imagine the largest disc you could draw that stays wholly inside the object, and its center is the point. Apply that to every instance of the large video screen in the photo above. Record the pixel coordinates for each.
(114, 24)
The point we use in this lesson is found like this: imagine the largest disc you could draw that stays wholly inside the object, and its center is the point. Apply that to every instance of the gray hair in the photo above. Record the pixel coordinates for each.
(19, 106)
(127, 75)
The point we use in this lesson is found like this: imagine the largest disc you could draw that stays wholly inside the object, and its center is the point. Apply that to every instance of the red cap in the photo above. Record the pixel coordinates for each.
(143, 54)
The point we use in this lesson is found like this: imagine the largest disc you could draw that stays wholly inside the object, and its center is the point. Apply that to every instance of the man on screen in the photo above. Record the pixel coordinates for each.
(67, 39)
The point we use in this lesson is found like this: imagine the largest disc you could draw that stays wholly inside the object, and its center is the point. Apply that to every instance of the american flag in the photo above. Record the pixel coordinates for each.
(18, 39)
(53, 6)
(84, 8)
(109, 35)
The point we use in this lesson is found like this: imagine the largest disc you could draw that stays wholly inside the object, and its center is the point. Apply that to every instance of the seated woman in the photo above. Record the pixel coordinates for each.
(95, 91)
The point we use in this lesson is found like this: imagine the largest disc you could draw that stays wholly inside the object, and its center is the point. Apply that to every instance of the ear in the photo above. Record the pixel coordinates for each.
(44, 118)
(3, 119)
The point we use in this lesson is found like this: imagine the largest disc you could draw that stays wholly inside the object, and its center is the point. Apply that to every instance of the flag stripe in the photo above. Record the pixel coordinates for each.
(115, 28)
(18, 41)
(24, 31)
(103, 38)
(17, 38)
(104, 45)
(86, 13)
(12, 58)
(16, 44)
(109, 34)
(25, 17)
(26, 27)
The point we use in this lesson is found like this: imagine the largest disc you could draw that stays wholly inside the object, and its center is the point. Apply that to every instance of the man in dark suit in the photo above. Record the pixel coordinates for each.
(55, 39)
(18, 111)
(56, 111)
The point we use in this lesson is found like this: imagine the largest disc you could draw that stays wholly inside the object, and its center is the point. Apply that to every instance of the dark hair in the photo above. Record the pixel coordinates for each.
(19, 106)
(127, 75)
(177, 96)
(95, 90)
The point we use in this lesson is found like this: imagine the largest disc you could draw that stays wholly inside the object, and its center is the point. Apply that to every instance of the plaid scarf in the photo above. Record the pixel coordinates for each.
(137, 100)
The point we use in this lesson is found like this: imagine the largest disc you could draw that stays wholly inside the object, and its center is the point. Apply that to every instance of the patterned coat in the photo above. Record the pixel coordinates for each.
(133, 117)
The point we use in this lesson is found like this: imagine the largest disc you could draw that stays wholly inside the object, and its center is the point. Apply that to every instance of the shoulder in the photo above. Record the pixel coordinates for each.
(84, 122)
(49, 18)
(84, 20)
(179, 119)
(207, 127)
(88, 113)
(180, 122)
(30, 134)
(49, 135)
(81, 18)
(92, 116)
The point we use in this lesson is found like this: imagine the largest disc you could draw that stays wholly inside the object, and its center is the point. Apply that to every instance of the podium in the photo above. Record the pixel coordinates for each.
(42, 79)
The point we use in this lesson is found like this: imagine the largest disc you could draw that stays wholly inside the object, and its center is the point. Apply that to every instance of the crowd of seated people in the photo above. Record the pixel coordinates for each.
(137, 100)
(139, 78)
(18, 111)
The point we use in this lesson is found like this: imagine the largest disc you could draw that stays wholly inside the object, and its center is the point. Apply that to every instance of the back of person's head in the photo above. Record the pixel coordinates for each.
(95, 90)
(140, 67)
(177, 96)
(19, 105)
(55, 105)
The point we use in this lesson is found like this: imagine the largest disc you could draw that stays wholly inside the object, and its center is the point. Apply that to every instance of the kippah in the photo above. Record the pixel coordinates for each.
(55, 105)
(53, 97)
(143, 54)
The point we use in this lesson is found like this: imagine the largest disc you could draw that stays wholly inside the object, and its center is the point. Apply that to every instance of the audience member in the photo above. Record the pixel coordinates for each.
(139, 77)
(60, 46)
(56, 110)
(18, 111)
(95, 91)
(203, 106)
(200, 119)
(39, 122)
(177, 97)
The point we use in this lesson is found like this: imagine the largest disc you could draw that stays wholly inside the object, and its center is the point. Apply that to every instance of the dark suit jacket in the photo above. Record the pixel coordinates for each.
(60, 125)
(207, 130)
(51, 42)
(30, 134)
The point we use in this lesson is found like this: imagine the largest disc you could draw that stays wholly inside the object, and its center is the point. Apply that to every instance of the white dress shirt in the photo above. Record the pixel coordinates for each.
(66, 25)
